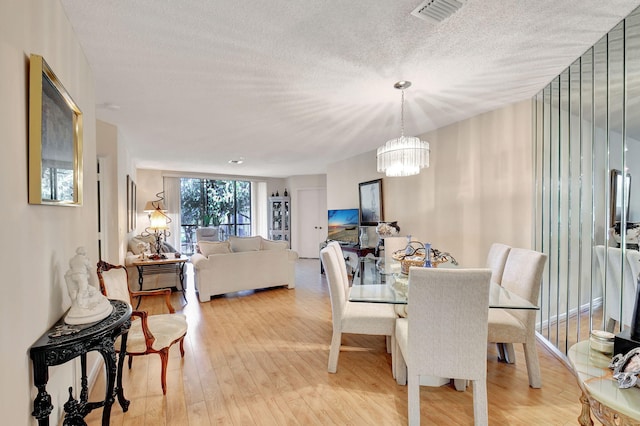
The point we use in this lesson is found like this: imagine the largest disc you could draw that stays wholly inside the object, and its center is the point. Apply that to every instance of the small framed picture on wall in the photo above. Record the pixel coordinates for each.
(370, 202)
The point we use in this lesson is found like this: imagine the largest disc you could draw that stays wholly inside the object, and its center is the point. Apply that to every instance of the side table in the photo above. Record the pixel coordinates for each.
(155, 266)
(359, 251)
(63, 343)
(601, 395)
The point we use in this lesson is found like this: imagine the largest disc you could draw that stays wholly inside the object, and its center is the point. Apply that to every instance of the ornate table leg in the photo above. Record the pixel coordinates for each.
(84, 393)
(124, 403)
(585, 415)
(42, 405)
(108, 352)
(140, 280)
(181, 275)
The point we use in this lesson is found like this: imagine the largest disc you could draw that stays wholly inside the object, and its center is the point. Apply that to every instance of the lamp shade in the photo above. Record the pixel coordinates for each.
(158, 220)
(152, 205)
(404, 156)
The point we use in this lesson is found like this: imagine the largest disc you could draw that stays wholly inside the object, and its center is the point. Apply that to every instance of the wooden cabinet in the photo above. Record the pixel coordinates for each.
(280, 219)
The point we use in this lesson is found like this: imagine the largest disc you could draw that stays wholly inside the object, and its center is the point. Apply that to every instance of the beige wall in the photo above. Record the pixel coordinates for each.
(116, 165)
(38, 240)
(478, 189)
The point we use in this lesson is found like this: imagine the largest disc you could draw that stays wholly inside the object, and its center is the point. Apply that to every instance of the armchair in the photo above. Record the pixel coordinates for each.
(148, 333)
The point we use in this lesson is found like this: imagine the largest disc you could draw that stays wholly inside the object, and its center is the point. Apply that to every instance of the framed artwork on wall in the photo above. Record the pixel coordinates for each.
(55, 139)
(370, 202)
(131, 204)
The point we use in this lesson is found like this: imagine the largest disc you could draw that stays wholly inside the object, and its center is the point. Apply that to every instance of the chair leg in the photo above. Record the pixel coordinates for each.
(389, 347)
(392, 343)
(399, 367)
(533, 366)
(164, 360)
(182, 347)
(480, 410)
(506, 353)
(460, 384)
(413, 394)
(334, 351)
(130, 361)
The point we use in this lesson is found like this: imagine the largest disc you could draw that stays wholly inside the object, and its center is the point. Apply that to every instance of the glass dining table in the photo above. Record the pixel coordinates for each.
(377, 281)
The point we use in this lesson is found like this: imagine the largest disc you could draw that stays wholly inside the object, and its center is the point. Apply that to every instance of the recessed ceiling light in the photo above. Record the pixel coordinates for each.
(238, 161)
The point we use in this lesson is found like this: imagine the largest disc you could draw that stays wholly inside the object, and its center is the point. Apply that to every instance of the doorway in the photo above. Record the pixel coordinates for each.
(312, 221)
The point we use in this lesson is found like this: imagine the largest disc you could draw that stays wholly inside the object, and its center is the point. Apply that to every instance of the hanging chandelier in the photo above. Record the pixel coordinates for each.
(406, 155)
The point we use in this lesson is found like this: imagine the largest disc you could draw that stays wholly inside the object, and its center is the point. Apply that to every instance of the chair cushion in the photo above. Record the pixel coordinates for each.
(369, 318)
(239, 244)
(208, 248)
(505, 328)
(166, 328)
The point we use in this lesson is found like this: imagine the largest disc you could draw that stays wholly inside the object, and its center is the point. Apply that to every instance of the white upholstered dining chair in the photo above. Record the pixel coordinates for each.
(352, 317)
(446, 333)
(522, 276)
(496, 259)
(148, 333)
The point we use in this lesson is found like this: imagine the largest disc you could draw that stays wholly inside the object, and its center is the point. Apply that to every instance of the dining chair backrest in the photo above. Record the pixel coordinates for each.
(342, 266)
(611, 285)
(522, 276)
(621, 267)
(496, 260)
(455, 344)
(333, 271)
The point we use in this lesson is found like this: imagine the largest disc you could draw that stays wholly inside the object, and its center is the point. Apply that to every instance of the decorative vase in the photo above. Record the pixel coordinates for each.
(364, 237)
(427, 255)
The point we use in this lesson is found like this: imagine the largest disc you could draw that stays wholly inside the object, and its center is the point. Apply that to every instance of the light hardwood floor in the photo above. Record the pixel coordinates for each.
(261, 358)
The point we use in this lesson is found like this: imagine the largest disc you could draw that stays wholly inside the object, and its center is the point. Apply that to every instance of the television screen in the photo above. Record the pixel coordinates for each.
(344, 226)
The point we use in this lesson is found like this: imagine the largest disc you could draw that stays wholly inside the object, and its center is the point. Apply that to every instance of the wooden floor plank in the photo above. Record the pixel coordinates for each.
(261, 358)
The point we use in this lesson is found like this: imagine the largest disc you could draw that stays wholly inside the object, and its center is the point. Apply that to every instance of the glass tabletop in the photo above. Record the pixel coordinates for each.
(378, 282)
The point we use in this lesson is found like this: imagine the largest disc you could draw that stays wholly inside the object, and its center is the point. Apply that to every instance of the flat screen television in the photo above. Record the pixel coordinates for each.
(344, 226)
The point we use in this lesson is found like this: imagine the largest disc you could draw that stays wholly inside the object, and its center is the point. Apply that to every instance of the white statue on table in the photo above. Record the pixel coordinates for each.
(87, 303)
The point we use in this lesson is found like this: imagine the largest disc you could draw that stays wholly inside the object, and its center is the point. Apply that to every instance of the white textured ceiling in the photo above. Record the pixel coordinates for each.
(294, 85)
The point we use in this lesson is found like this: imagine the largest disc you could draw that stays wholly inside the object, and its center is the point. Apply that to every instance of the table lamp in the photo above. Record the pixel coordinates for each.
(158, 225)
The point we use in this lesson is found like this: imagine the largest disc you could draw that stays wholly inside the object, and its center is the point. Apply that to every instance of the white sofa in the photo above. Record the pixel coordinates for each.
(242, 263)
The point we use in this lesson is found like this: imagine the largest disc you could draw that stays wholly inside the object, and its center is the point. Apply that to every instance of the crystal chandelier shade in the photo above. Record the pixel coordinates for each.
(406, 155)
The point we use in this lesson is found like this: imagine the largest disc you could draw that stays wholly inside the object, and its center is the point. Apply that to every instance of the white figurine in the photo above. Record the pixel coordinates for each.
(87, 303)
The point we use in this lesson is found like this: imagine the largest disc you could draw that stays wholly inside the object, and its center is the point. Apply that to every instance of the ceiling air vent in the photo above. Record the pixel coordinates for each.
(437, 10)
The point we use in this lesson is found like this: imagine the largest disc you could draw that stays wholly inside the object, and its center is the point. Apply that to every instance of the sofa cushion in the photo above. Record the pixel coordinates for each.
(240, 244)
(274, 245)
(214, 247)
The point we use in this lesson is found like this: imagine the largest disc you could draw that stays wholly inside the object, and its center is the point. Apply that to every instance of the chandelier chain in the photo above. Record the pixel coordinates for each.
(402, 115)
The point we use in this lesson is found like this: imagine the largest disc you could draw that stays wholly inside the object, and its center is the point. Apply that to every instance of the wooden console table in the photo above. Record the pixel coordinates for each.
(63, 343)
(601, 395)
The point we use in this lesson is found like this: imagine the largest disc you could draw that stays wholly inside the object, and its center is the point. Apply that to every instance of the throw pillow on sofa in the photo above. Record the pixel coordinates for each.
(274, 245)
(239, 244)
(214, 247)
(140, 244)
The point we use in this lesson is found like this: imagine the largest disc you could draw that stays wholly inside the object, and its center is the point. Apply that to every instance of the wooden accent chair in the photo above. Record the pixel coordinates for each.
(445, 333)
(149, 334)
(352, 317)
(522, 276)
